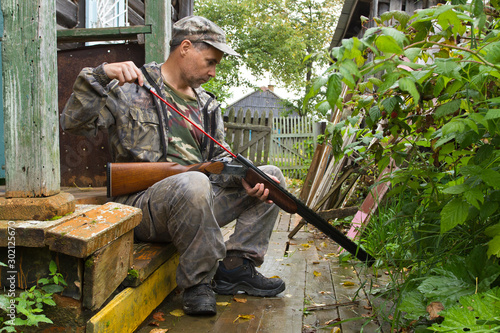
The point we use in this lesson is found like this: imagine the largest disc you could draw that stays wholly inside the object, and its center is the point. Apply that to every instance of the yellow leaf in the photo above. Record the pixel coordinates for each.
(177, 313)
(240, 300)
(316, 274)
(305, 245)
(223, 303)
(323, 244)
(335, 330)
(274, 277)
(244, 317)
(348, 284)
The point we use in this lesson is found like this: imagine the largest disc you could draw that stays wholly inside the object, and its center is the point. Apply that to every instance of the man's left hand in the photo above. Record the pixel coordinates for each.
(259, 191)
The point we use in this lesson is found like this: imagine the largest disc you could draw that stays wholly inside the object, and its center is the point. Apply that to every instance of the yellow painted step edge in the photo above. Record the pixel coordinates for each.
(133, 305)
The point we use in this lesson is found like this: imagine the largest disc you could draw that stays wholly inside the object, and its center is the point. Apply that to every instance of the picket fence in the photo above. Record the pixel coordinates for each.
(287, 142)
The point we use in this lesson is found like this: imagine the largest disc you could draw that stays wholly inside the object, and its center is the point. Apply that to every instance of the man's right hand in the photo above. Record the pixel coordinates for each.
(124, 72)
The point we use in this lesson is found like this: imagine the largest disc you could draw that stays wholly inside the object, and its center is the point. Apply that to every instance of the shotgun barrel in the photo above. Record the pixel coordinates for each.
(289, 203)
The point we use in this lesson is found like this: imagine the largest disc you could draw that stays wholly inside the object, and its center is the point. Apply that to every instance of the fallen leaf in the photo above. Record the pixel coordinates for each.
(348, 284)
(274, 277)
(316, 274)
(159, 330)
(244, 317)
(160, 316)
(367, 307)
(323, 244)
(433, 309)
(336, 320)
(315, 262)
(222, 303)
(366, 315)
(305, 245)
(240, 300)
(335, 330)
(154, 323)
(177, 313)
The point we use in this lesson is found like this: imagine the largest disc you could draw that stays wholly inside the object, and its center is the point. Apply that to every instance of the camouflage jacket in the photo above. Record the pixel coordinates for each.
(130, 114)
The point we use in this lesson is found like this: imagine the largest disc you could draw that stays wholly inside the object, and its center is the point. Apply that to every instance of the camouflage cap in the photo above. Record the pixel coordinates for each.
(199, 29)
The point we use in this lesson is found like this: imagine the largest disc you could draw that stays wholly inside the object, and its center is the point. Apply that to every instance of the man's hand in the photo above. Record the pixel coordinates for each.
(259, 191)
(124, 72)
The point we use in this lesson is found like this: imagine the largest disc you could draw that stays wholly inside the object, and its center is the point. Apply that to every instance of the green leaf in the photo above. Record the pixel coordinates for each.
(408, 85)
(474, 196)
(491, 178)
(448, 67)
(414, 304)
(412, 52)
(388, 44)
(492, 114)
(446, 289)
(448, 108)
(453, 213)
(52, 288)
(494, 247)
(457, 189)
(53, 267)
(334, 89)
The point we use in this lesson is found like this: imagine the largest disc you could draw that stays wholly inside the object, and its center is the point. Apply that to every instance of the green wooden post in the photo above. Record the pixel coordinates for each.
(30, 98)
(158, 13)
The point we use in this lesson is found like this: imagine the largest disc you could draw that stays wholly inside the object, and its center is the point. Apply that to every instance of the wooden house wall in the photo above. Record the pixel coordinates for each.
(263, 102)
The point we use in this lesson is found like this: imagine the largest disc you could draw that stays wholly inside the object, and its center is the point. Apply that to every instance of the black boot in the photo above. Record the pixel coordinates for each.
(245, 278)
(199, 300)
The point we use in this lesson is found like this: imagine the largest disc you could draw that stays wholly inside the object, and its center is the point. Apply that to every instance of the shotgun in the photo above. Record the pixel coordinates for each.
(125, 178)
(281, 197)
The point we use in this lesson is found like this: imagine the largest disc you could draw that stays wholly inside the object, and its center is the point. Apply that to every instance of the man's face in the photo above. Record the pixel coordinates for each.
(200, 65)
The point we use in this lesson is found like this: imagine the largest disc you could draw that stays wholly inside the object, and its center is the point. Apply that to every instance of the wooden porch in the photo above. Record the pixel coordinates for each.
(320, 293)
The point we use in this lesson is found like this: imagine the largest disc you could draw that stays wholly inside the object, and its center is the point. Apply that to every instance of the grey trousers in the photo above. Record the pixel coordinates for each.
(188, 210)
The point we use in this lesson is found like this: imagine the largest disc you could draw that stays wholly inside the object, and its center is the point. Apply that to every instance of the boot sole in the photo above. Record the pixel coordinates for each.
(225, 288)
(200, 310)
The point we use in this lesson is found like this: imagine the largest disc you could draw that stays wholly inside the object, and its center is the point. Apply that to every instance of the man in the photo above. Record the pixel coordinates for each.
(187, 209)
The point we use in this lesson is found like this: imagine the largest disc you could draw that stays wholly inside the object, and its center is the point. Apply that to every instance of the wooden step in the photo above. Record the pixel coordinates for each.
(147, 257)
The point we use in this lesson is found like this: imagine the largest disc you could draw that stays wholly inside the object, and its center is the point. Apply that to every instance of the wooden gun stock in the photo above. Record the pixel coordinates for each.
(126, 178)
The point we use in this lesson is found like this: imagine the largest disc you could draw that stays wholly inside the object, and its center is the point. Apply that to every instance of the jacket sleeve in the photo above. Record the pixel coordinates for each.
(87, 109)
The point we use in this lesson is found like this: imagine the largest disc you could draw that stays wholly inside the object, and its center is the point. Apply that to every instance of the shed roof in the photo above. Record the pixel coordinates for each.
(264, 100)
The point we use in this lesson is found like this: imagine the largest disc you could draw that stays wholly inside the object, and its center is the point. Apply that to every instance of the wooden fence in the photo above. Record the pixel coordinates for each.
(285, 142)
(293, 143)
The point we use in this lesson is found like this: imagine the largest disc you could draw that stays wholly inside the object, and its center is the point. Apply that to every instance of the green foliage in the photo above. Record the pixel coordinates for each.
(426, 100)
(29, 304)
(476, 313)
(282, 38)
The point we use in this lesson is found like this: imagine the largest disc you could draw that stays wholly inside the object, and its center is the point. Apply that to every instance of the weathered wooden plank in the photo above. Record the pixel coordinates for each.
(133, 305)
(106, 269)
(243, 149)
(31, 114)
(147, 258)
(137, 6)
(347, 289)
(158, 15)
(102, 34)
(84, 234)
(319, 292)
(32, 233)
(134, 18)
(67, 13)
(238, 133)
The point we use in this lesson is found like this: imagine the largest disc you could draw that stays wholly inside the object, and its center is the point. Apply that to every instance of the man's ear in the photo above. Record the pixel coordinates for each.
(185, 47)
